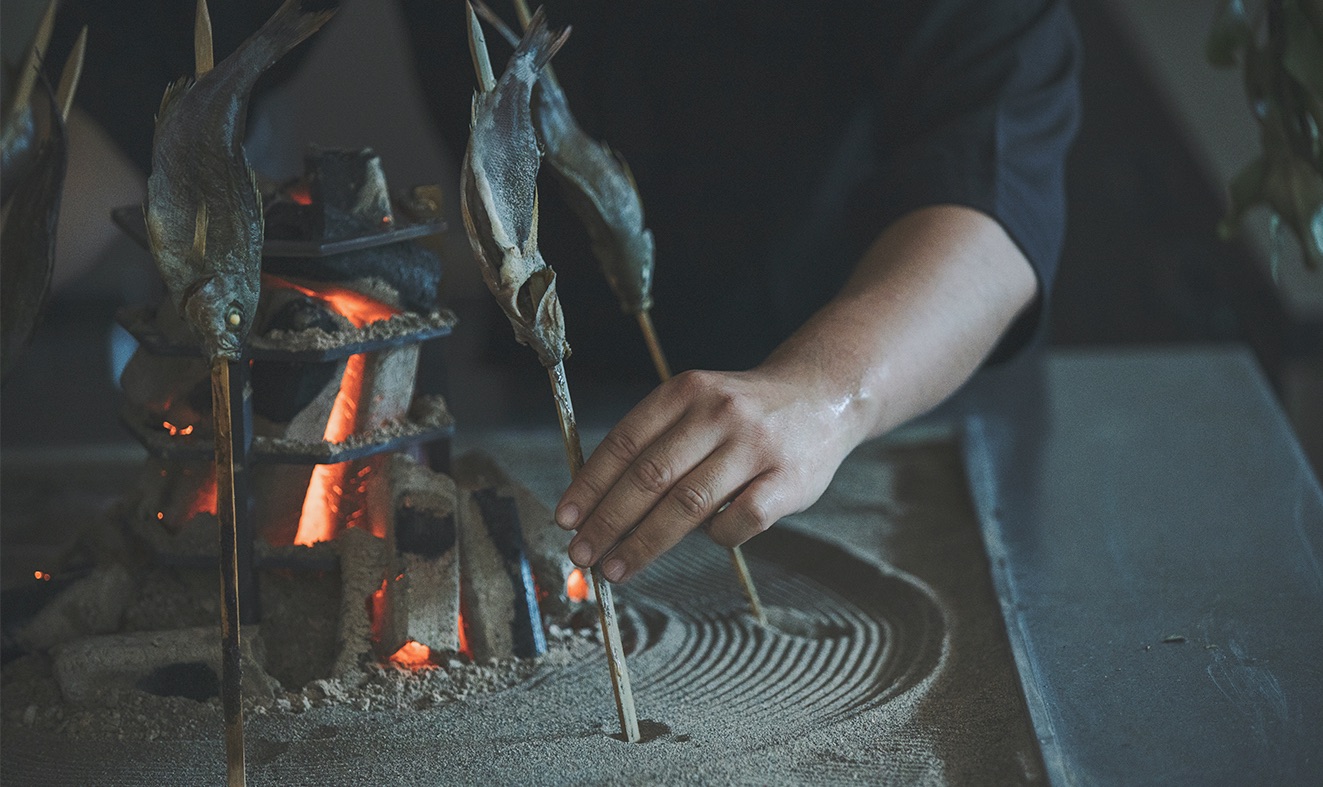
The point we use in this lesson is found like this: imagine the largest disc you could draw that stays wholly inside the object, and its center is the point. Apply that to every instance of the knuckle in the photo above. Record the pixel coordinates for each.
(642, 548)
(620, 445)
(593, 486)
(652, 474)
(757, 514)
(692, 500)
(606, 521)
(690, 382)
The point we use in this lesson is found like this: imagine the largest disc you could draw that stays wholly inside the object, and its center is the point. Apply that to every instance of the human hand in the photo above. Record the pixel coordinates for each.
(764, 441)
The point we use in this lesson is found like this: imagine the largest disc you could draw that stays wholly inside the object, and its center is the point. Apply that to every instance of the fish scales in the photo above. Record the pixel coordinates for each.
(499, 198)
(203, 208)
(596, 182)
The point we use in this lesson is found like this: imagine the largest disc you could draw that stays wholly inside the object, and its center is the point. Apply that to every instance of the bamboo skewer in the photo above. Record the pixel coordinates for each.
(603, 181)
(514, 270)
(27, 78)
(736, 554)
(644, 317)
(228, 442)
(73, 71)
(606, 605)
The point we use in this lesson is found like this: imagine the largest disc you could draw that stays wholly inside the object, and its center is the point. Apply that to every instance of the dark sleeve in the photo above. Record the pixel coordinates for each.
(980, 111)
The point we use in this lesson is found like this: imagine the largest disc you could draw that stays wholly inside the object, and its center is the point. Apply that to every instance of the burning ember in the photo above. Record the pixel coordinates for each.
(576, 587)
(361, 561)
(413, 656)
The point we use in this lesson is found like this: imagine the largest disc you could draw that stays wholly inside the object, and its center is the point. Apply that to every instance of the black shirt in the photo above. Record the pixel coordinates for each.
(772, 141)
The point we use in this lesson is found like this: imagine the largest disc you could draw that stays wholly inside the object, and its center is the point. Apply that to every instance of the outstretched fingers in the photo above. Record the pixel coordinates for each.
(654, 473)
(651, 418)
(693, 500)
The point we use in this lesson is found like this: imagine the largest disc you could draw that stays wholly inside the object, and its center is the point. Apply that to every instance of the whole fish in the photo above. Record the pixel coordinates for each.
(27, 240)
(204, 208)
(31, 204)
(597, 184)
(498, 190)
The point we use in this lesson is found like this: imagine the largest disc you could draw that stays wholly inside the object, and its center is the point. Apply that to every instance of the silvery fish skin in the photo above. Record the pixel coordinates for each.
(27, 242)
(597, 184)
(203, 208)
(18, 149)
(498, 188)
(19, 137)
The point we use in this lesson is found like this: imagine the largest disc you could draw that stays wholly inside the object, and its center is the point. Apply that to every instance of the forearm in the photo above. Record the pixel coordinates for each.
(927, 303)
(740, 450)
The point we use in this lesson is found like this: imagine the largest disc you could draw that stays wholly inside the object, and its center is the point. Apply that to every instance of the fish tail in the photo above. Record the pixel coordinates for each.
(540, 42)
(288, 27)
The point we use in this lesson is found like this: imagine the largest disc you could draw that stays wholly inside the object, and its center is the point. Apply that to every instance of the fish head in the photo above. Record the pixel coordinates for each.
(221, 313)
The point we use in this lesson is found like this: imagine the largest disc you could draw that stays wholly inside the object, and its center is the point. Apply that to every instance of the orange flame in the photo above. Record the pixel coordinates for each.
(358, 308)
(413, 655)
(300, 194)
(576, 587)
(42, 575)
(464, 638)
(321, 513)
(204, 502)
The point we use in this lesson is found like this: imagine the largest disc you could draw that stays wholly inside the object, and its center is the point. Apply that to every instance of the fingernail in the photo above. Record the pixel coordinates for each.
(581, 553)
(614, 569)
(567, 516)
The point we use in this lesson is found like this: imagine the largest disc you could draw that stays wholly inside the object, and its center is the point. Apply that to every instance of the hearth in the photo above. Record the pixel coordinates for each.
(361, 543)
(403, 605)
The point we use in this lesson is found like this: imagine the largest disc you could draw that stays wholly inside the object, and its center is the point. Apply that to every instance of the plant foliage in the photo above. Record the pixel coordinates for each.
(1279, 48)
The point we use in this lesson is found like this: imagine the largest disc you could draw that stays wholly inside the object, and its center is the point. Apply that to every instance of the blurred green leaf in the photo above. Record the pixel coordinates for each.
(1303, 54)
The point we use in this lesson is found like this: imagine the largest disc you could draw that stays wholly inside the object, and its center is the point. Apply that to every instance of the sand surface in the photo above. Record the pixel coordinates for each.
(905, 674)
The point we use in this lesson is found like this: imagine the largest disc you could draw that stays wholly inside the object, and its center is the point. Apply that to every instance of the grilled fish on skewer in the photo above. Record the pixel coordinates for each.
(31, 208)
(499, 194)
(499, 197)
(204, 210)
(205, 228)
(601, 190)
(598, 185)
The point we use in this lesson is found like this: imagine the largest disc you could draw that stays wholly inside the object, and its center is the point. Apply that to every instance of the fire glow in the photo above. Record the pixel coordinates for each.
(576, 587)
(322, 511)
(177, 430)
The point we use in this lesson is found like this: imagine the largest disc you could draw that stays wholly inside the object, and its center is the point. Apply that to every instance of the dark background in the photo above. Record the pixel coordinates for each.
(1141, 265)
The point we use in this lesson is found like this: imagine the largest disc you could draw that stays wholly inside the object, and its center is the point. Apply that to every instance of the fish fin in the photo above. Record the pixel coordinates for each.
(525, 19)
(155, 232)
(482, 63)
(531, 241)
(73, 71)
(27, 78)
(288, 27)
(204, 57)
(624, 167)
(200, 233)
(540, 40)
(256, 181)
(495, 21)
(172, 91)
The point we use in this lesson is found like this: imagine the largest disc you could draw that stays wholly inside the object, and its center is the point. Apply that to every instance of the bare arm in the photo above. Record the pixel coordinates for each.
(925, 305)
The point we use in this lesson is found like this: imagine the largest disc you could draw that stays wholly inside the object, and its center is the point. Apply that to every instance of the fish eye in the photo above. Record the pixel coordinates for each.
(234, 318)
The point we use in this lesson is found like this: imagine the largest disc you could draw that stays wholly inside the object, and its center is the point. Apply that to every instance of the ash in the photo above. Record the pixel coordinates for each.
(31, 698)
